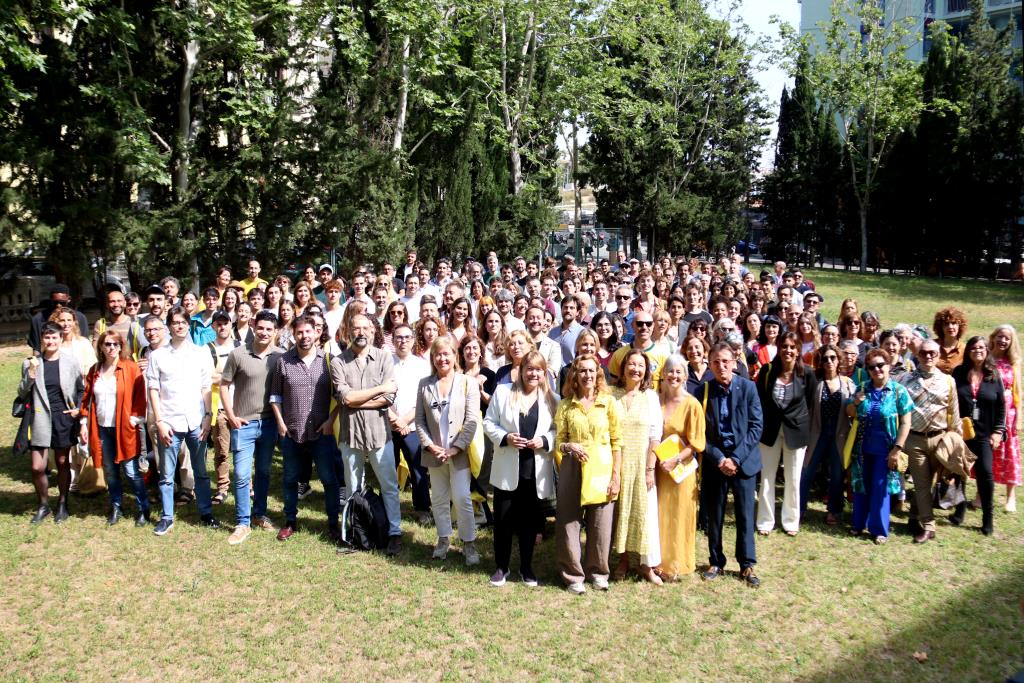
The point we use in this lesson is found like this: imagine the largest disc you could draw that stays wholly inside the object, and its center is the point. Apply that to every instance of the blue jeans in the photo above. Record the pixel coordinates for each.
(252, 446)
(111, 470)
(320, 451)
(169, 465)
(409, 446)
(826, 451)
(382, 460)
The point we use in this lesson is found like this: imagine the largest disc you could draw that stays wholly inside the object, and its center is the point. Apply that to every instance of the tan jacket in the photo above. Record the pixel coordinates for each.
(463, 418)
(955, 456)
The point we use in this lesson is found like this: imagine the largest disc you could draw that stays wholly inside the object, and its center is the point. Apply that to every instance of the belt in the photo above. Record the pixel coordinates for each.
(928, 435)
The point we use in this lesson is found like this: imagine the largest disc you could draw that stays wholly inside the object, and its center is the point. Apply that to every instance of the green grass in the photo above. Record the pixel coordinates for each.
(916, 299)
(84, 602)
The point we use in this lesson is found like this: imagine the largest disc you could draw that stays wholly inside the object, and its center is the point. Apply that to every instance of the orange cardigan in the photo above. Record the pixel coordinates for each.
(131, 400)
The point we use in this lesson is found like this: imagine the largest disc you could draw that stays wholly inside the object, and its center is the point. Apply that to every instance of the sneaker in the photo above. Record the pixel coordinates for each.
(600, 583)
(239, 535)
(530, 580)
(750, 578)
(471, 554)
(394, 545)
(441, 549)
(304, 490)
(424, 518)
(498, 578)
(264, 523)
(576, 588)
(142, 520)
(209, 522)
(163, 526)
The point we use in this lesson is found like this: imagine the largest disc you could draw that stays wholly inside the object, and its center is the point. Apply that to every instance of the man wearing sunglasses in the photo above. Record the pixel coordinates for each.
(936, 411)
(643, 328)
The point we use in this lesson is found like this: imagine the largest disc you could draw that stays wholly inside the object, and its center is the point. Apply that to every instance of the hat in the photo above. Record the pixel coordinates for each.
(153, 289)
(220, 314)
(326, 266)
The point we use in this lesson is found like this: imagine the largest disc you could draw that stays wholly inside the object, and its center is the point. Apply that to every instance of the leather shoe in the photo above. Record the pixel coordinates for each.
(750, 578)
(334, 532)
(142, 520)
(711, 573)
(42, 513)
(924, 537)
(210, 522)
(115, 516)
(62, 514)
(286, 531)
(394, 545)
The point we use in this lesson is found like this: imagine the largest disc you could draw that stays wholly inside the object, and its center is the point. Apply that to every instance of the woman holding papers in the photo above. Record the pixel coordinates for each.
(588, 447)
(636, 518)
(677, 488)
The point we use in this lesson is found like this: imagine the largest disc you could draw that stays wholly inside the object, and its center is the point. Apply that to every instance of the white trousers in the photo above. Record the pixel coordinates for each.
(793, 463)
(448, 485)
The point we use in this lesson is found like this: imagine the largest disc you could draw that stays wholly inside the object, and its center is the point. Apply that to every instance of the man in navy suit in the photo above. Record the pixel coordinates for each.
(732, 460)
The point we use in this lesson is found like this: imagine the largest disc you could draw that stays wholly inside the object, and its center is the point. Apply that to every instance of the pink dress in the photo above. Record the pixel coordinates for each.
(1006, 458)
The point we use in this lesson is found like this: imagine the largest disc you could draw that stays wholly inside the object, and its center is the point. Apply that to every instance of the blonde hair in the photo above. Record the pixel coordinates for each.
(569, 388)
(1013, 357)
(440, 343)
(518, 333)
(519, 386)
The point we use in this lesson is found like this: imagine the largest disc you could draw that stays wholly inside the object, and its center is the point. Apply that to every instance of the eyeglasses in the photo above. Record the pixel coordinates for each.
(876, 366)
(402, 338)
(133, 304)
(151, 330)
(643, 323)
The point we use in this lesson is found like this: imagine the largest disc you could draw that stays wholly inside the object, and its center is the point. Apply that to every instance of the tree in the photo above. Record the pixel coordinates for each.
(863, 74)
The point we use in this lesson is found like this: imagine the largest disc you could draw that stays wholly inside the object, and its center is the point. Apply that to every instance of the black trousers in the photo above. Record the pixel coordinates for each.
(982, 447)
(714, 493)
(517, 513)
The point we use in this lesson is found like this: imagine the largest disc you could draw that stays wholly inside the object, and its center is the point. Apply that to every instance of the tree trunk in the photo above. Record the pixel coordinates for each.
(577, 195)
(403, 99)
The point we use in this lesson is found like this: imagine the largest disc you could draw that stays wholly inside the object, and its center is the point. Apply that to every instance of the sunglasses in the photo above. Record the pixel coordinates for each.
(698, 327)
(112, 345)
(623, 297)
(831, 359)
(643, 323)
(927, 354)
(876, 366)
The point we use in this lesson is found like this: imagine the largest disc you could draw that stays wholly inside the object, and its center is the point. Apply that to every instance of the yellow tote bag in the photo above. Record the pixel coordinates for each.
(596, 475)
(851, 439)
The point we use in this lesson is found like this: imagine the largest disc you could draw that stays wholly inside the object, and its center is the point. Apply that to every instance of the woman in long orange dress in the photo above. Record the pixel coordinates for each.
(677, 503)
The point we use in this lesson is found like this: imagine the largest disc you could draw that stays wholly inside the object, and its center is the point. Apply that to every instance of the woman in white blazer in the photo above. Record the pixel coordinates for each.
(447, 415)
(520, 423)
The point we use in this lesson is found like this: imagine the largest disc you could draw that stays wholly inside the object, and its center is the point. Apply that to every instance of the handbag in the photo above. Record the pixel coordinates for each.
(852, 437)
(20, 407)
(967, 424)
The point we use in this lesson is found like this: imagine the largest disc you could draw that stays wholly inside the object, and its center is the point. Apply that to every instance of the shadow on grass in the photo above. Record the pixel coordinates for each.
(977, 637)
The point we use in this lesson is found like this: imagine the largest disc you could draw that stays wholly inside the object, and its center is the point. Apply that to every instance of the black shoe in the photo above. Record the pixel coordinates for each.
(209, 521)
(115, 516)
(142, 520)
(711, 573)
(987, 530)
(334, 532)
(62, 514)
(163, 526)
(750, 578)
(394, 545)
(957, 518)
(42, 513)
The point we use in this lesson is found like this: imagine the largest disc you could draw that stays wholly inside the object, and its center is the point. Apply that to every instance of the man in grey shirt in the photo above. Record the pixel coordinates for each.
(245, 396)
(363, 377)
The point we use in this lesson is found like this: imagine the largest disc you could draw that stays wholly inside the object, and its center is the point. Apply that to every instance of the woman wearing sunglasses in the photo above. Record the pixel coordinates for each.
(882, 408)
(829, 428)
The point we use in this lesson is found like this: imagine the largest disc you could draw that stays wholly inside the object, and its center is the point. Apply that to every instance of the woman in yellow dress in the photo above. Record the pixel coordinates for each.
(636, 513)
(677, 503)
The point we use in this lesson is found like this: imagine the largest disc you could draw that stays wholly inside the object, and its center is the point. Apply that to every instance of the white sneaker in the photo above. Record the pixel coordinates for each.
(600, 583)
(576, 588)
(441, 549)
(239, 535)
(498, 578)
(471, 554)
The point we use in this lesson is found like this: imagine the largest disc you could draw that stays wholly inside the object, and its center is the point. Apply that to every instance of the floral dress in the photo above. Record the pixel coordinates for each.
(1006, 458)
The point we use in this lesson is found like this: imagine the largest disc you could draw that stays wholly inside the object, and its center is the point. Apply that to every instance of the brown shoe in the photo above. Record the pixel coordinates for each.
(924, 537)
(750, 578)
(264, 524)
(286, 531)
(239, 535)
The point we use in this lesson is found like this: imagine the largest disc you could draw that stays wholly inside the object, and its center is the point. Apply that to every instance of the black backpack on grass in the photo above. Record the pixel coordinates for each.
(364, 521)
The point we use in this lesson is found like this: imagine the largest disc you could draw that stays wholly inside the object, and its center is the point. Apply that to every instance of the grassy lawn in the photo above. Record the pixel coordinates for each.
(84, 602)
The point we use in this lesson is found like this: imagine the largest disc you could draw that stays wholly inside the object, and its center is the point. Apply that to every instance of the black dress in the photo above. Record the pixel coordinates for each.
(61, 424)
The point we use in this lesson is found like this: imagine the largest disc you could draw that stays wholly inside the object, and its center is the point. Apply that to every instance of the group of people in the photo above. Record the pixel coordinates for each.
(628, 401)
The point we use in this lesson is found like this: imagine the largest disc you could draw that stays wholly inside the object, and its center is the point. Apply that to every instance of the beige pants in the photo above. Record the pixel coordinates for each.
(569, 515)
(922, 465)
(222, 452)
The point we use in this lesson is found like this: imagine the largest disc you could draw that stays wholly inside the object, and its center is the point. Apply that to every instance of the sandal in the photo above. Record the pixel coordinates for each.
(219, 498)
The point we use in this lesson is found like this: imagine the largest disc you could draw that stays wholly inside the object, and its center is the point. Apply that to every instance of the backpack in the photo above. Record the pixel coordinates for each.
(364, 521)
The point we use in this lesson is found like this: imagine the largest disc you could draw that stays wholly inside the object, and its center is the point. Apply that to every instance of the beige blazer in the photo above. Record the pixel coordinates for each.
(502, 418)
(463, 417)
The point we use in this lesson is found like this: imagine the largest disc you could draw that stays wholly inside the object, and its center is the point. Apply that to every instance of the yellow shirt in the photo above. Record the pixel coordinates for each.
(656, 354)
(248, 284)
(598, 426)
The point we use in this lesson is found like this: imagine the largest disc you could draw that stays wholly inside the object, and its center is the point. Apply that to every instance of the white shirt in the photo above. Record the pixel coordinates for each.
(412, 305)
(408, 374)
(182, 376)
(105, 394)
(513, 323)
(332, 319)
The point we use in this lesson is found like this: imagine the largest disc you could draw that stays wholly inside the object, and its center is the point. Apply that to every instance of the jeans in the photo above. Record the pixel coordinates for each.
(409, 446)
(296, 456)
(112, 471)
(169, 465)
(382, 460)
(450, 485)
(252, 446)
(826, 450)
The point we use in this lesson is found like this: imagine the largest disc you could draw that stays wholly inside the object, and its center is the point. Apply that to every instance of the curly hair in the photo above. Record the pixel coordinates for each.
(569, 390)
(950, 314)
(421, 342)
